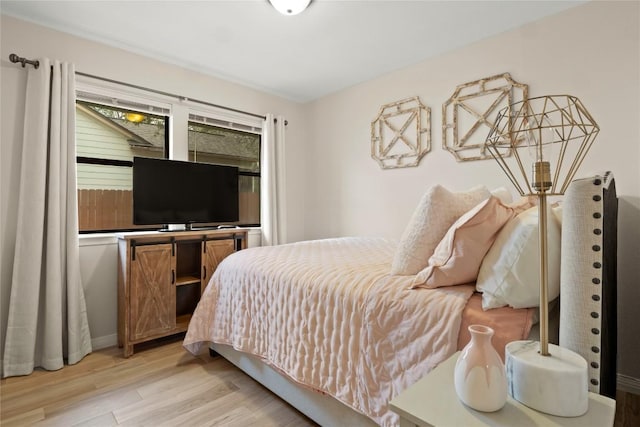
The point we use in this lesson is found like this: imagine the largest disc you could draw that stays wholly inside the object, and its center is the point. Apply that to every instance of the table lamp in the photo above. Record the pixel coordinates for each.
(552, 134)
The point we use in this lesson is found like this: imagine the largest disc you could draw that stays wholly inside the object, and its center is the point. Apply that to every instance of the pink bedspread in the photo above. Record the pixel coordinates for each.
(509, 324)
(328, 315)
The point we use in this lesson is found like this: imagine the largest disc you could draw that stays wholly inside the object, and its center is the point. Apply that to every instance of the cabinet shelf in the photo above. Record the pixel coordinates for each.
(187, 280)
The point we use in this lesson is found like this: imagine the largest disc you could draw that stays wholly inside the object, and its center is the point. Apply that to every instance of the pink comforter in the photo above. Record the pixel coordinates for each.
(328, 315)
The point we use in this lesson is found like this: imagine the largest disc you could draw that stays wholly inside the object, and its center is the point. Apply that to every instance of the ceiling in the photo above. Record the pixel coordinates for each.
(332, 45)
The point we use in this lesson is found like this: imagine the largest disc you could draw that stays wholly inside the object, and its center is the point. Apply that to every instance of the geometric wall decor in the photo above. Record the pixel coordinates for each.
(469, 115)
(401, 134)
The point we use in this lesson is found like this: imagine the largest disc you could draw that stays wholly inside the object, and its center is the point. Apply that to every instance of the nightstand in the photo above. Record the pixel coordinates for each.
(432, 401)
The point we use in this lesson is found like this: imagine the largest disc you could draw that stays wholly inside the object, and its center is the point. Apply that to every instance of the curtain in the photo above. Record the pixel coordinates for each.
(47, 320)
(272, 195)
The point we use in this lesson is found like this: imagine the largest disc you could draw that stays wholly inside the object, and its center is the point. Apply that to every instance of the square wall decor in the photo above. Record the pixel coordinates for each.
(469, 115)
(401, 134)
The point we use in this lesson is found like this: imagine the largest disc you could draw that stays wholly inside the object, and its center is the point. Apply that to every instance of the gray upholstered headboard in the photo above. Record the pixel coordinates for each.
(588, 296)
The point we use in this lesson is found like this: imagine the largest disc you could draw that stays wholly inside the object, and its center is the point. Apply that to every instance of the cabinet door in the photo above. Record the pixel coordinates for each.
(153, 296)
(213, 252)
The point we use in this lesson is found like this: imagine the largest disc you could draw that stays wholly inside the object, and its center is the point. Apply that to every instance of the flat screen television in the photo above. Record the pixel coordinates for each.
(177, 192)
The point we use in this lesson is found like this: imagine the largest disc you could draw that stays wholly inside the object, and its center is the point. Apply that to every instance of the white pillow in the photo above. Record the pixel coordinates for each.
(509, 274)
(438, 209)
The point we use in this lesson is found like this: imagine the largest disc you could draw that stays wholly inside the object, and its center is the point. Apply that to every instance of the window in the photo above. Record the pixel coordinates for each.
(218, 142)
(107, 139)
(114, 124)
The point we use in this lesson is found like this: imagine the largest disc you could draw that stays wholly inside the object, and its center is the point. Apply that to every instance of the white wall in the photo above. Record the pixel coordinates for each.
(591, 51)
(98, 255)
(99, 271)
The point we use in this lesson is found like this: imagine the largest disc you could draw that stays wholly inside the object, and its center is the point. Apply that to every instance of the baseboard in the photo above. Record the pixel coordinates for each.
(628, 384)
(104, 342)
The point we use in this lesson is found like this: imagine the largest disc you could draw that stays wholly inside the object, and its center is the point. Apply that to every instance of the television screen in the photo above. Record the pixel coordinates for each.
(176, 192)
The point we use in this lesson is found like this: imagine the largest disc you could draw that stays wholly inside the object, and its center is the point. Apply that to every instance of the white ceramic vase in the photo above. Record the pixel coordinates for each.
(479, 376)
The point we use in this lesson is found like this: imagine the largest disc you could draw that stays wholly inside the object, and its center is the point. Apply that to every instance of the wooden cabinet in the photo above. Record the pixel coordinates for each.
(161, 276)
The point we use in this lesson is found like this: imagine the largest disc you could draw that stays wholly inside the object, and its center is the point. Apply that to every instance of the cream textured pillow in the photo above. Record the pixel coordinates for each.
(509, 274)
(458, 256)
(437, 210)
(503, 194)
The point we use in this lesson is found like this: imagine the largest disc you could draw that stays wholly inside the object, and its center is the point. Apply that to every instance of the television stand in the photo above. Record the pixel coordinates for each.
(161, 277)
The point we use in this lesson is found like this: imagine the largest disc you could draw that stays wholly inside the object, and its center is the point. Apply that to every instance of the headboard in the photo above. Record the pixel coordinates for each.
(588, 277)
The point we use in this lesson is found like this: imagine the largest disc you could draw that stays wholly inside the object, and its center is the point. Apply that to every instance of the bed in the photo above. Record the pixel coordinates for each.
(333, 328)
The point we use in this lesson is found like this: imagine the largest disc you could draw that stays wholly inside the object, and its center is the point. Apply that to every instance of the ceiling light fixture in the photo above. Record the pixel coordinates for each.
(290, 7)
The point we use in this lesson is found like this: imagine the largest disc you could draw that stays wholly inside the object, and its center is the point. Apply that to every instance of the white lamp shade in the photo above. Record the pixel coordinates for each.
(290, 7)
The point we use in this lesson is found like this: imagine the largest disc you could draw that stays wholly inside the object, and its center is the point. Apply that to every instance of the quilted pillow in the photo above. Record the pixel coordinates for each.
(458, 256)
(437, 210)
(509, 274)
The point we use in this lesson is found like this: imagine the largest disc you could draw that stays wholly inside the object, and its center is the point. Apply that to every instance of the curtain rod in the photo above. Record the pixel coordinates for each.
(171, 95)
(15, 59)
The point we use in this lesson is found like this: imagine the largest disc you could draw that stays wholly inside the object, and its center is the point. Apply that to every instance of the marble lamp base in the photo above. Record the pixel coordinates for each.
(554, 384)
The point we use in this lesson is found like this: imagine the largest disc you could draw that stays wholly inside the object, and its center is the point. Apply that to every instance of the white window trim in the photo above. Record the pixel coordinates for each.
(123, 93)
(225, 119)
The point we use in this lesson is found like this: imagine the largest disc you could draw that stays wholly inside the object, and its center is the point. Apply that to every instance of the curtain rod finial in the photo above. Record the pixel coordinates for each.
(24, 61)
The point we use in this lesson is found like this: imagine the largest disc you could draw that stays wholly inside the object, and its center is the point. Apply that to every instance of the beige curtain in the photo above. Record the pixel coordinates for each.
(272, 195)
(47, 321)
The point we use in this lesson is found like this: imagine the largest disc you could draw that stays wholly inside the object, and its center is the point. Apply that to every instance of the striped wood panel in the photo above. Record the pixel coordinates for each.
(105, 210)
(113, 209)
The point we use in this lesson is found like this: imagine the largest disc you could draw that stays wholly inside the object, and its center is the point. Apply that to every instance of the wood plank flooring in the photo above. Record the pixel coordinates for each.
(163, 385)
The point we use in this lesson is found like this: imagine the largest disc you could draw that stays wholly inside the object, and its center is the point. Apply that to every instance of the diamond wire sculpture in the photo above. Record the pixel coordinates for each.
(555, 128)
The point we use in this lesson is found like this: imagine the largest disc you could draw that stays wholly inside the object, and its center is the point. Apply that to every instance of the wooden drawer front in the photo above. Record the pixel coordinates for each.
(152, 297)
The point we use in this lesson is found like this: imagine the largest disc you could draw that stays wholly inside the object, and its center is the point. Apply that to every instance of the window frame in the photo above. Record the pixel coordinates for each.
(241, 124)
(174, 109)
(82, 160)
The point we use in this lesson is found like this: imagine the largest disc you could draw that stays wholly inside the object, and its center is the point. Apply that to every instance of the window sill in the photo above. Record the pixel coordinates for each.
(97, 239)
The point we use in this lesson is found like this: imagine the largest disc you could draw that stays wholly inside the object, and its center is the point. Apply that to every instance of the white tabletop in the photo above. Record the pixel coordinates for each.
(432, 401)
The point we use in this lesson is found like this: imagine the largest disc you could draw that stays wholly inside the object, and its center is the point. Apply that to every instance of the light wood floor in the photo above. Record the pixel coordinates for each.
(160, 385)
(164, 385)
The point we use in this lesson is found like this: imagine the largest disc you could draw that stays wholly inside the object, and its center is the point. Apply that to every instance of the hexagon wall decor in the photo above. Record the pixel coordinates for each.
(401, 134)
(469, 115)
